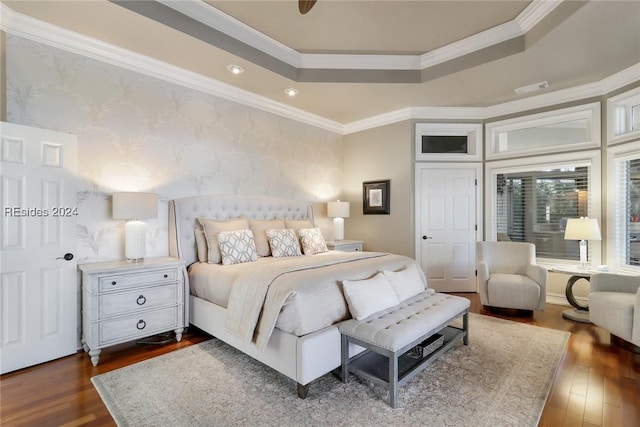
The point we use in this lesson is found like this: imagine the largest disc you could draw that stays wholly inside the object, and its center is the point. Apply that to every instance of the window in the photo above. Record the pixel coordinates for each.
(623, 122)
(567, 129)
(448, 141)
(531, 200)
(624, 162)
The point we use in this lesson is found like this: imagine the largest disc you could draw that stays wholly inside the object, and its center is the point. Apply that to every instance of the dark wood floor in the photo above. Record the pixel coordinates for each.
(598, 383)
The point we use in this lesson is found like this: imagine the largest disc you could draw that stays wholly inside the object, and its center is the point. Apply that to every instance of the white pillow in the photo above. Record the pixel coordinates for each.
(201, 245)
(259, 228)
(369, 296)
(297, 224)
(211, 229)
(312, 241)
(283, 242)
(237, 246)
(406, 283)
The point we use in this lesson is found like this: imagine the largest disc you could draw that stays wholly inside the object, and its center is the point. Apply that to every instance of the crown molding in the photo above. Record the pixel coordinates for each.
(42, 32)
(23, 26)
(535, 12)
(207, 14)
(214, 18)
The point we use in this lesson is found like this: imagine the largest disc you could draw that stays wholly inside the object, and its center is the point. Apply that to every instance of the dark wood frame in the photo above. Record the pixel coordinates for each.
(384, 207)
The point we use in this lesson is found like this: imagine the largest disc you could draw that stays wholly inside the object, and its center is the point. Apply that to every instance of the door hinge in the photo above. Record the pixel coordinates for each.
(476, 182)
(476, 227)
(476, 272)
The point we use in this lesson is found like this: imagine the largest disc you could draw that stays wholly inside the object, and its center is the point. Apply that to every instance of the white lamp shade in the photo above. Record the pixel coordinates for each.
(582, 229)
(338, 209)
(132, 205)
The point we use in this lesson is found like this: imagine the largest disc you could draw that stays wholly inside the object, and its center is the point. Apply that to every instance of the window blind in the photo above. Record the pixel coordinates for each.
(627, 215)
(534, 206)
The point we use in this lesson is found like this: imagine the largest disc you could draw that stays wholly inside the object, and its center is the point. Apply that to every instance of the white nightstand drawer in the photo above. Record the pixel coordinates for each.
(139, 325)
(356, 247)
(346, 245)
(120, 281)
(138, 299)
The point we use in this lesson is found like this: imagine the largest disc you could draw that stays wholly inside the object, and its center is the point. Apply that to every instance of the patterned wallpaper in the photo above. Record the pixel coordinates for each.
(138, 133)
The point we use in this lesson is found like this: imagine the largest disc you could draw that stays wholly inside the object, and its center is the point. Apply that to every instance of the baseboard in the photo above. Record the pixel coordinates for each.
(561, 299)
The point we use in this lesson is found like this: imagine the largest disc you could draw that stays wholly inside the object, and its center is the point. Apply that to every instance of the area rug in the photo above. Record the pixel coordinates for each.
(502, 378)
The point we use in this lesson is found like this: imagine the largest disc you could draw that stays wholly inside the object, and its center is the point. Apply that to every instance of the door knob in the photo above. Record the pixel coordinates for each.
(426, 237)
(67, 257)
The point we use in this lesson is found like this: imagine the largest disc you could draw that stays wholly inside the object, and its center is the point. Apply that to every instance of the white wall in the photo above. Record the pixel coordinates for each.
(138, 133)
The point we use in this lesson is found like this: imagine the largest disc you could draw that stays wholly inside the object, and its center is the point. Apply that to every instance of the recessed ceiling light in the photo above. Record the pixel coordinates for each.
(235, 69)
(532, 88)
(291, 91)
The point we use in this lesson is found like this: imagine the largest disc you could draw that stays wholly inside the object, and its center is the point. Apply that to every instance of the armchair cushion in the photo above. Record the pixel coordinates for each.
(513, 291)
(614, 304)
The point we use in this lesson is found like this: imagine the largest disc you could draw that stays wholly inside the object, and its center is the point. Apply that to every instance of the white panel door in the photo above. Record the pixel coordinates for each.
(38, 284)
(446, 223)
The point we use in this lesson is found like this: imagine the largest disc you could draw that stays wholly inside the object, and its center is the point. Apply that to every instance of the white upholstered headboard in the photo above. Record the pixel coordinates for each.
(184, 212)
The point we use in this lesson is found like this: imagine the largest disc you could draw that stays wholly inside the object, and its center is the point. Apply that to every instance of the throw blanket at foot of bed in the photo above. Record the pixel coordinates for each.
(256, 298)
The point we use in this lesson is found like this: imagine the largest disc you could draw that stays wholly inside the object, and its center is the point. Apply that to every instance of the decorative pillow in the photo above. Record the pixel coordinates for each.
(201, 244)
(211, 229)
(259, 228)
(283, 243)
(406, 283)
(312, 241)
(365, 297)
(297, 224)
(237, 246)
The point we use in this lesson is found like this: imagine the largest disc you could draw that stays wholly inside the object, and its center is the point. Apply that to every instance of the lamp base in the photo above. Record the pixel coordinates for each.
(135, 241)
(338, 229)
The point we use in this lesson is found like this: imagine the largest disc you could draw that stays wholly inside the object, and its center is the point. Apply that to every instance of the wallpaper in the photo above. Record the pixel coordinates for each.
(138, 133)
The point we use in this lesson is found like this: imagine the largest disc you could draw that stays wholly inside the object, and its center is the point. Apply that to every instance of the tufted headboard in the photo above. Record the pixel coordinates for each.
(184, 214)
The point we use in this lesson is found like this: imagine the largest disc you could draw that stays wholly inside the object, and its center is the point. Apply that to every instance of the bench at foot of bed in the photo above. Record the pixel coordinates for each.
(390, 334)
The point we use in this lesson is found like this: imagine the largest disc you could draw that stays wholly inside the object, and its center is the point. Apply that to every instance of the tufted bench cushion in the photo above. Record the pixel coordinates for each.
(396, 327)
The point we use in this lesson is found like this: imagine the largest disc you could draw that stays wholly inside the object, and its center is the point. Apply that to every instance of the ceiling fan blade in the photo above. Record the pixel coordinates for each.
(305, 6)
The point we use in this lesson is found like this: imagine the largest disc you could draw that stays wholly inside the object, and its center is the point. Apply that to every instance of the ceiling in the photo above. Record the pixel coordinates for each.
(352, 60)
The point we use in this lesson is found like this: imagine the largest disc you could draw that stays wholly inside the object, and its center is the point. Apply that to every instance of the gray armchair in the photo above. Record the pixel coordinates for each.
(614, 304)
(509, 277)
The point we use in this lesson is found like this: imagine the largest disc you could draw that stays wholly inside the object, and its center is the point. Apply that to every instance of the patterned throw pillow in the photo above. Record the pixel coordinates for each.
(237, 246)
(283, 243)
(211, 229)
(312, 241)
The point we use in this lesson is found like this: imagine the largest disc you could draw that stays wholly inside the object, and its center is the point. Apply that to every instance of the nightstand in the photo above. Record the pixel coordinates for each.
(345, 245)
(123, 301)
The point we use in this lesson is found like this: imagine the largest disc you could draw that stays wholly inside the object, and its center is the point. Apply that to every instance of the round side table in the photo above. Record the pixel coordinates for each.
(581, 312)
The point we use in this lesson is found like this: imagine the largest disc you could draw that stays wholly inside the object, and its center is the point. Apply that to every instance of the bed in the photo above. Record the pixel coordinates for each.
(293, 328)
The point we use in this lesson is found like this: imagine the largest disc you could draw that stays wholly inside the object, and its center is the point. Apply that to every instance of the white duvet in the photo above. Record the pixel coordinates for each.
(298, 295)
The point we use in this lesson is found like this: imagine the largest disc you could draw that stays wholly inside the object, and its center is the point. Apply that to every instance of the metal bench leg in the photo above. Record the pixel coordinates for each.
(393, 380)
(465, 327)
(344, 355)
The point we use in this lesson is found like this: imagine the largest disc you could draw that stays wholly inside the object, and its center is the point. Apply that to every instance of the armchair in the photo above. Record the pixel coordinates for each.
(509, 277)
(614, 304)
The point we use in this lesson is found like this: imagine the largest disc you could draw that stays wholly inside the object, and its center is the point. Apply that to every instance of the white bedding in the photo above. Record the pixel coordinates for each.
(301, 295)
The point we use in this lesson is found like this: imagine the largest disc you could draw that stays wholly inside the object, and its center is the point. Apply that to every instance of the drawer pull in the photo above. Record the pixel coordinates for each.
(141, 300)
(141, 324)
(166, 275)
(113, 283)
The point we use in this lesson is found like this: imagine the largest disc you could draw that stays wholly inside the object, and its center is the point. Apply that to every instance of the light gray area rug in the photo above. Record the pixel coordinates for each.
(502, 378)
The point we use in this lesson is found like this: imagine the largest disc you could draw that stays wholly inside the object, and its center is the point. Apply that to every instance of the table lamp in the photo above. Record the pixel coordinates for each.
(582, 229)
(338, 211)
(133, 207)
